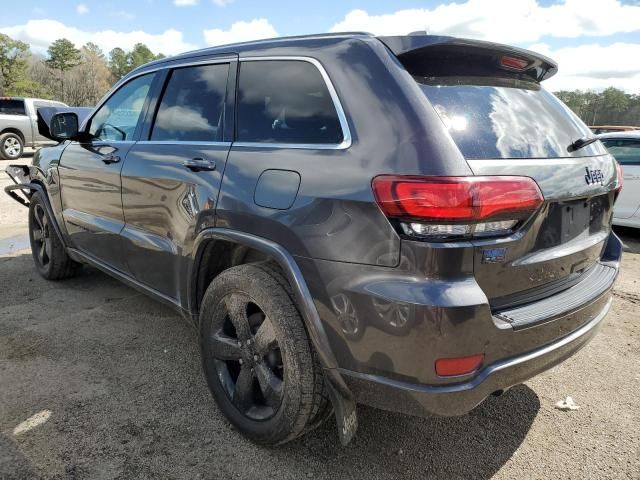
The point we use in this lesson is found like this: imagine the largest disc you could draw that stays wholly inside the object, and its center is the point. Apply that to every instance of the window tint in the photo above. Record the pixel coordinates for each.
(626, 152)
(285, 102)
(192, 105)
(12, 107)
(502, 118)
(117, 119)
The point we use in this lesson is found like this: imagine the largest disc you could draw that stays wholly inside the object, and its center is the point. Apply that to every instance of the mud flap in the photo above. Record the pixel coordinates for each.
(345, 408)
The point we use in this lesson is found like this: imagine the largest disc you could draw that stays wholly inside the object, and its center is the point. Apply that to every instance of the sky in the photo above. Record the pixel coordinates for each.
(595, 42)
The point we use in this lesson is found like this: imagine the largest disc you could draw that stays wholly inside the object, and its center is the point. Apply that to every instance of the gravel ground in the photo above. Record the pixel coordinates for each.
(109, 385)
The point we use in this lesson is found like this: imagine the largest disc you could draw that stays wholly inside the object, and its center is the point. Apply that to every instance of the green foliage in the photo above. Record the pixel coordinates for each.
(609, 107)
(13, 64)
(63, 55)
(118, 63)
(121, 62)
(28, 88)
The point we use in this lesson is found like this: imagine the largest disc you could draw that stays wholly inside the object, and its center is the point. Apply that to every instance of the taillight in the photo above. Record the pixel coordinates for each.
(451, 367)
(620, 179)
(444, 207)
(515, 63)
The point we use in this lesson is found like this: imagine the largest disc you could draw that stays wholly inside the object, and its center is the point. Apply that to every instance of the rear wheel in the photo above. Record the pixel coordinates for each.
(11, 146)
(259, 363)
(49, 255)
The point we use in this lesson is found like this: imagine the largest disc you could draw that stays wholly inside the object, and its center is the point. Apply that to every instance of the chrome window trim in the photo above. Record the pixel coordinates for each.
(181, 142)
(342, 118)
(121, 83)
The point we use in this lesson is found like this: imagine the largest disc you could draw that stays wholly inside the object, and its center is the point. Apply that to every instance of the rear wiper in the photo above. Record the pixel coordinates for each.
(581, 142)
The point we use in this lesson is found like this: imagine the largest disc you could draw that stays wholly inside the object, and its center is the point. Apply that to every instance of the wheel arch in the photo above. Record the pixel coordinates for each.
(231, 244)
(339, 393)
(15, 131)
(37, 186)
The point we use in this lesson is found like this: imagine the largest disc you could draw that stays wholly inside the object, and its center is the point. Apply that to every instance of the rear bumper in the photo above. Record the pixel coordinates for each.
(387, 327)
(460, 398)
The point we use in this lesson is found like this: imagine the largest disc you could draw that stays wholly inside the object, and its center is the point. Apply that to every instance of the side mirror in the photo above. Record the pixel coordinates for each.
(64, 126)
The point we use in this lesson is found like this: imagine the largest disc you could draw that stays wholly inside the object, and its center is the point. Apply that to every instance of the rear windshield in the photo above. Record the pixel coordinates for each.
(502, 118)
(11, 107)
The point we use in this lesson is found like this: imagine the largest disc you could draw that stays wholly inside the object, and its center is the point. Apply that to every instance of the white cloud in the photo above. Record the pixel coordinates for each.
(240, 32)
(222, 3)
(523, 22)
(594, 66)
(185, 3)
(82, 9)
(41, 33)
(514, 21)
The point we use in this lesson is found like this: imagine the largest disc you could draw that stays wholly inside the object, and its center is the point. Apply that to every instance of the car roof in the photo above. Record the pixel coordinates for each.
(255, 45)
(633, 134)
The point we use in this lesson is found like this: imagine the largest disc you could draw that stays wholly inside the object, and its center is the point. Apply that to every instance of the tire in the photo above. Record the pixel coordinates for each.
(257, 358)
(11, 146)
(49, 255)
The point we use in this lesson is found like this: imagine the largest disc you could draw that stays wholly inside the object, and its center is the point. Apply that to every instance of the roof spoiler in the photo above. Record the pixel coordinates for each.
(423, 55)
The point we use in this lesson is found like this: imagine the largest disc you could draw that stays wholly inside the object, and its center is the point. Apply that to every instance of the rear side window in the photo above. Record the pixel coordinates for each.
(626, 152)
(285, 101)
(192, 107)
(12, 107)
(503, 118)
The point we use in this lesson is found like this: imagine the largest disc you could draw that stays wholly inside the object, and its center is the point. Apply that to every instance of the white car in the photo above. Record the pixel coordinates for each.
(625, 147)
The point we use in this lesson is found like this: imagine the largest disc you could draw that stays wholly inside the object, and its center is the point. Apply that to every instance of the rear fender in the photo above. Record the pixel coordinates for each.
(341, 397)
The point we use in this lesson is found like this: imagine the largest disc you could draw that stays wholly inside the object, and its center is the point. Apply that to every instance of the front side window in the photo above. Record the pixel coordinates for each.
(10, 106)
(285, 101)
(116, 120)
(192, 106)
(626, 152)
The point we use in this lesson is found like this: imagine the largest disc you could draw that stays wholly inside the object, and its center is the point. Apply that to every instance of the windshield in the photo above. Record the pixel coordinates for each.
(505, 118)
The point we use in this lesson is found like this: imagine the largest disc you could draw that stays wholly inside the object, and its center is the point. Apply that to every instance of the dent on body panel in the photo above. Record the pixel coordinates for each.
(167, 200)
(44, 167)
(333, 217)
(382, 321)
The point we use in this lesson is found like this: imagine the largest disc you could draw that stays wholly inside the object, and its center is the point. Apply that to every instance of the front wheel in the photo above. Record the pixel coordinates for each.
(11, 146)
(257, 358)
(49, 254)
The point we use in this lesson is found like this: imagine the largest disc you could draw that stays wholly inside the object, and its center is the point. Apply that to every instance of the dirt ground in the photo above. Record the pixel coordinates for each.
(98, 381)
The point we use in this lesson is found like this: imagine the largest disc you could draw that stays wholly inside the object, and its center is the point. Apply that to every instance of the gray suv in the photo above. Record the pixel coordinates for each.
(412, 223)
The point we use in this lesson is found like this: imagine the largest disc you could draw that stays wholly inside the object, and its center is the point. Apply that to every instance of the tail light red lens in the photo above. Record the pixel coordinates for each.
(484, 202)
(620, 175)
(449, 367)
(515, 63)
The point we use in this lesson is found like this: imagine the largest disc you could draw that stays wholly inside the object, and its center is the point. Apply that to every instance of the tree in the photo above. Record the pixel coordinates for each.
(609, 107)
(13, 63)
(139, 55)
(615, 100)
(63, 56)
(94, 50)
(121, 62)
(118, 63)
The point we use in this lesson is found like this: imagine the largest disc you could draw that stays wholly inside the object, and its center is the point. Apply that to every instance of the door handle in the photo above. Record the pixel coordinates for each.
(109, 159)
(200, 164)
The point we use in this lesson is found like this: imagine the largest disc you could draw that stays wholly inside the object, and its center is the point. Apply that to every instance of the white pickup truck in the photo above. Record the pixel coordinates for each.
(19, 125)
